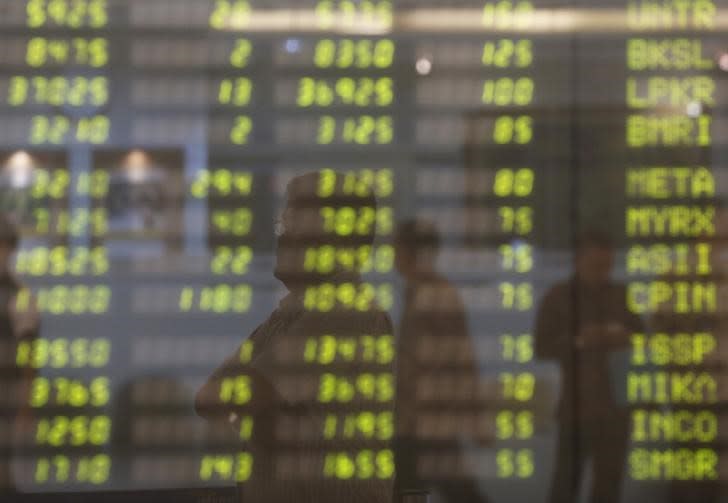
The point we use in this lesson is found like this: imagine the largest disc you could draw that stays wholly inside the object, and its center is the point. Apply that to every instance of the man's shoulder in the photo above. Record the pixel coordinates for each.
(561, 290)
(371, 320)
(437, 287)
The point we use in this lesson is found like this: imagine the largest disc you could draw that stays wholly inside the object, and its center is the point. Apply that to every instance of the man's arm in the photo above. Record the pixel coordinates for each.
(236, 388)
(207, 400)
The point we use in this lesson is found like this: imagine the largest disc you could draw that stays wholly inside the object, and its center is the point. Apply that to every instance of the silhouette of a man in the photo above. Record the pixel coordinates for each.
(433, 312)
(16, 327)
(580, 323)
(317, 214)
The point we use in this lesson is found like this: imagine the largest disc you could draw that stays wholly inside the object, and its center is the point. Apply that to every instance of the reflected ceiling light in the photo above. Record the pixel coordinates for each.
(694, 109)
(20, 167)
(723, 61)
(136, 163)
(453, 19)
(19, 159)
(307, 20)
(293, 45)
(423, 66)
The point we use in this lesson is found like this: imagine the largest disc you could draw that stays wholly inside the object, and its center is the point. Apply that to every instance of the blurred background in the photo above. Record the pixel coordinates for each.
(555, 150)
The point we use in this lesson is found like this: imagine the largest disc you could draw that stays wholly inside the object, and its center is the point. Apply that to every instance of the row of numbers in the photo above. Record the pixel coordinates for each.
(86, 52)
(60, 130)
(58, 91)
(67, 13)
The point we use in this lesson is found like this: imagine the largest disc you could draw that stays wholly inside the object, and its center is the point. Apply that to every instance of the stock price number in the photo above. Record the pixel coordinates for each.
(347, 221)
(221, 183)
(517, 258)
(63, 261)
(514, 463)
(235, 92)
(363, 465)
(360, 425)
(50, 184)
(507, 53)
(63, 353)
(516, 296)
(59, 129)
(228, 260)
(79, 431)
(226, 467)
(329, 349)
(62, 469)
(346, 54)
(236, 222)
(362, 297)
(508, 130)
(236, 390)
(241, 130)
(517, 221)
(67, 13)
(345, 389)
(241, 52)
(330, 13)
(74, 223)
(94, 184)
(90, 52)
(518, 387)
(62, 300)
(64, 392)
(508, 92)
(361, 130)
(360, 183)
(362, 92)
(219, 299)
(514, 182)
(512, 425)
(364, 259)
(230, 14)
(508, 14)
(58, 91)
(516, 348)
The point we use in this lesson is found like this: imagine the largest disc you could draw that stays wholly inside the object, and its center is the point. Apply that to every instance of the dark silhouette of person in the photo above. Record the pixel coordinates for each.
(16, 327)
(580, 324)
(433, 313)
(344, 384)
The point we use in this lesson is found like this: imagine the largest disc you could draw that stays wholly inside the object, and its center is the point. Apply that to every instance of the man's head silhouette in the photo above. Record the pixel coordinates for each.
(321, 215)
(417, 244)
(594, 258)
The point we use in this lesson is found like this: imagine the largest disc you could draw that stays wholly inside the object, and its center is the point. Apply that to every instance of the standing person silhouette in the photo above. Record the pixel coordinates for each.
(433, 312)
(278, 391)
(580, 322)
(16, 327)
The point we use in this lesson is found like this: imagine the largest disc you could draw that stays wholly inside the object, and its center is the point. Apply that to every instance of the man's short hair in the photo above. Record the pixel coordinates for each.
(418, 234)
(307, 190)
(320, 189)
(594, 239)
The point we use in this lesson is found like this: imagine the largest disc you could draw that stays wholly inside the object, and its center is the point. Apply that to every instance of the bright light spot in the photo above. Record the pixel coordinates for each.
(20, 168)
(423, 66)
(694, 109)
(293, 45)
(136, 163)
(723, 62)
(19, 159)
